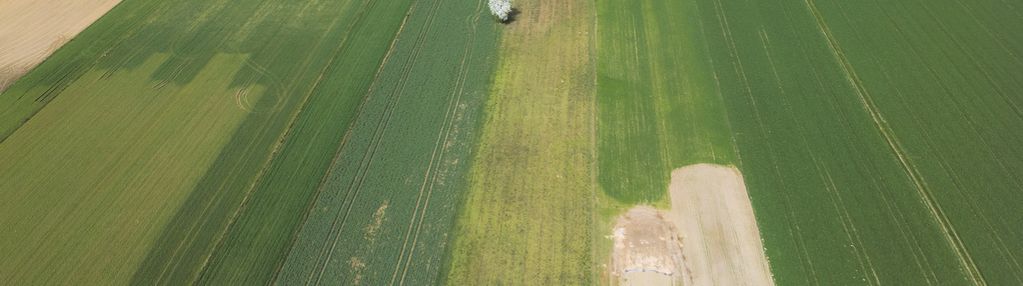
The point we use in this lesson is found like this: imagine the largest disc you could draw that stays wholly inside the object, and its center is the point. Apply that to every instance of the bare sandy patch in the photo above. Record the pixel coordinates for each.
(710, 226)
(647, 249)
(31, 30)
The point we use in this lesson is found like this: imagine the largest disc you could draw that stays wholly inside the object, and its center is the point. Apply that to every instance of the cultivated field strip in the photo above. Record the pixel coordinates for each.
(384, 212)
(659, 107)
(529, 215)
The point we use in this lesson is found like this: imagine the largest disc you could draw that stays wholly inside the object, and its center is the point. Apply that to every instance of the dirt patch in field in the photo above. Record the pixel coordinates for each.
(647, 249)
(712, 224)
(31, 30)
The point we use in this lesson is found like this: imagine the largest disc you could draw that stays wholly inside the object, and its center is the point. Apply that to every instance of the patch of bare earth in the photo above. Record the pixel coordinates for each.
(647, 249)
(712, 224)
(31, 30)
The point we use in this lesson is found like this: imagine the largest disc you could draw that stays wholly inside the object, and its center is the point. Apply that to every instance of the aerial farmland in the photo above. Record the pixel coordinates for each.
(522, 142)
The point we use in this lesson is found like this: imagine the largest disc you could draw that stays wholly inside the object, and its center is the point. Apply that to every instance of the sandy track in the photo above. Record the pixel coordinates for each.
(712, 221)
(31, 30)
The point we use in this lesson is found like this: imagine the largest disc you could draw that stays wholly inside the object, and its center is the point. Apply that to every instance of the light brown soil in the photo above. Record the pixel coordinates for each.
(30, 30)
(711, 210)
(712, 224)
(646, 249)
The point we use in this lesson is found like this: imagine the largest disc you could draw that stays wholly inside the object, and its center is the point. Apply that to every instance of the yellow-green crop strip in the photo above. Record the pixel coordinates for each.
(529, 216)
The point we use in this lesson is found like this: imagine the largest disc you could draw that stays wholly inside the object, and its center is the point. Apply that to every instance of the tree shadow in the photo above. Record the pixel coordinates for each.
(511, 16)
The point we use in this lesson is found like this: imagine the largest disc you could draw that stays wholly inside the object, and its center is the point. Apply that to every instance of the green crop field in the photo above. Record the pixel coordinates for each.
(868, 132)
(411, 142)
(659, 107)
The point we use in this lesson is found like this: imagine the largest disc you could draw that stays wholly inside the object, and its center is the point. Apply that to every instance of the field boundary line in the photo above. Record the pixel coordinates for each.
(594, 168)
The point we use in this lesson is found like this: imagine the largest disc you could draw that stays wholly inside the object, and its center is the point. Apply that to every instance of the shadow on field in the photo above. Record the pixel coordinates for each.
(512, 16)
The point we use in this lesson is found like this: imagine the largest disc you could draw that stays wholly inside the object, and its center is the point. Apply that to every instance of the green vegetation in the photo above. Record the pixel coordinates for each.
(420, 141)
(529, 218)
(210, 119)
(90, 217)
(256, 244)
(385, 210)
(872, 135)
(660, 108)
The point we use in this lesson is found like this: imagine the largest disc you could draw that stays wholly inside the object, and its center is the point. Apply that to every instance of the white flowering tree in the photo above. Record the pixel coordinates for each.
(500, 8)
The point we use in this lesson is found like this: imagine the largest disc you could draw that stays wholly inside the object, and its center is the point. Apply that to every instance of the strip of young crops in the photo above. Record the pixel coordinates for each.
(160, 119)
(876, 138)
(529, 216)
(384, 212)
(660, 108)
